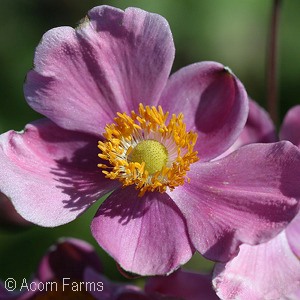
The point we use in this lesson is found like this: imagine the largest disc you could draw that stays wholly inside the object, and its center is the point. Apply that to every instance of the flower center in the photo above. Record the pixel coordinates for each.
(146, 151)
(152, 153)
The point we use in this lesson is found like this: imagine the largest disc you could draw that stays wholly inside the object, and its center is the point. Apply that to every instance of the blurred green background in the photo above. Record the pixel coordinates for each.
(232, 32)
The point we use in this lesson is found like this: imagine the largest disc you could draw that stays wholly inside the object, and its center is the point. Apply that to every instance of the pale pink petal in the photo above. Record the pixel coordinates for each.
(50, 174)
(268, 271)
(246, 197)
(147, 235)
(184, 285)
(290, 129)
(259, 128)
(214, 104)
(110, 63)
(293, 235)
(295, 295)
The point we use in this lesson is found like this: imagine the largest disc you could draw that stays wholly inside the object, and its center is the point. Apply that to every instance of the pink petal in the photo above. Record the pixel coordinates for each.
(246, 197)
(147, 235)
(293, 235)
(214, 103)
(110, 63)
(295, 295)
(267, 271)
(184, 285)
(50, 174)
(290, 129)
(259, 128)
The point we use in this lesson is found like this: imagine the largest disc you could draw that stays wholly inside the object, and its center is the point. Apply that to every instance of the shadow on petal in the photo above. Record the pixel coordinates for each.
(111, 21)
(212, 113)
(74, 162)
(124, 210)
(81, 179)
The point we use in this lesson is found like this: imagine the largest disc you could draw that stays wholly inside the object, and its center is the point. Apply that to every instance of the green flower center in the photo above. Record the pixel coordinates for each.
(152, 153)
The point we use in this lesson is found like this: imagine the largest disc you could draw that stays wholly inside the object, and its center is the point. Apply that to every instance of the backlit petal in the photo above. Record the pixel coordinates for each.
(50, 174)
(145, 235)
(214, 104)
(246, 197)
(110, 63)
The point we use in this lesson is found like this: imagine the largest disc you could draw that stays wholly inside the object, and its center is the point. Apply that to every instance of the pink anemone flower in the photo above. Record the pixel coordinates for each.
(117, 123)
(270, 270)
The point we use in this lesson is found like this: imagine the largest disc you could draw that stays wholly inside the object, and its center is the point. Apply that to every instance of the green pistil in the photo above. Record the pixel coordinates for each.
(152, 153)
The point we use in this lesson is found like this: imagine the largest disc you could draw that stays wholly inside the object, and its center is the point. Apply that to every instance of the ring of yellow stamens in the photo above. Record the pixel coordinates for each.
(142, 150)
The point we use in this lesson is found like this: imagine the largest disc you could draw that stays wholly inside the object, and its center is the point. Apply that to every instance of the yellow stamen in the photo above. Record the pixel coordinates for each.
(144, 151)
